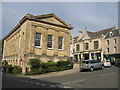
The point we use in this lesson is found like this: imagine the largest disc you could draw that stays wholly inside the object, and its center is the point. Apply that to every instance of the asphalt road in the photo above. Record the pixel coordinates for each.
(107, 78)
(11, 81)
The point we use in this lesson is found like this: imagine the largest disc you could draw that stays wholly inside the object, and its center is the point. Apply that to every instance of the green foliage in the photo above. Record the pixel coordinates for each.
(17, 69)
(4, 66)
(35, 63)
(63, 63)
(37, 71)
(10, 68)
(40, 68)
(48, 64)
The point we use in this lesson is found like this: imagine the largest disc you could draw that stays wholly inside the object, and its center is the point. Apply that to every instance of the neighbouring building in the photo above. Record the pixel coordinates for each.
(112, 47)
(93, 45)
(46, 37)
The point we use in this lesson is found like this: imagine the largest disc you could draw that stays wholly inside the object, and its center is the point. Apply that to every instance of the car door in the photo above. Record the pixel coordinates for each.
(98, 64)
(94, 64)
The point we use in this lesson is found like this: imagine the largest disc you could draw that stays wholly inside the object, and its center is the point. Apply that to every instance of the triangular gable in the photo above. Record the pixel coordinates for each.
(52, 18)
(86, 36)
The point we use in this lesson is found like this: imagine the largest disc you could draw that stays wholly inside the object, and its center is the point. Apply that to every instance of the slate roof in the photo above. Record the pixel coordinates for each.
(101, 32)
(114, 33)
(96, 34)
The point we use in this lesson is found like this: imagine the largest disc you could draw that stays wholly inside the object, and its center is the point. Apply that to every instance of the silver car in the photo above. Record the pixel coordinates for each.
(91, 65)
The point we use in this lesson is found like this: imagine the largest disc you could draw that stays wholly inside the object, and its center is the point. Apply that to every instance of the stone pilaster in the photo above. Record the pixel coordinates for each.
(44, 42)
(56, 43)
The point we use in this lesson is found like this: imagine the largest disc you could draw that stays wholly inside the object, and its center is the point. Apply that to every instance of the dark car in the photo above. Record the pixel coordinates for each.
(117, 63)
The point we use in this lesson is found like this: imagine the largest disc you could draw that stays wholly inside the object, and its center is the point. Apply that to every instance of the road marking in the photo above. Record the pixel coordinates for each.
(107, 74)
(66, 87)
(52, 86)
(26, 81)
(43, 84)
(37, 83)
(31, 82)
(74, 81)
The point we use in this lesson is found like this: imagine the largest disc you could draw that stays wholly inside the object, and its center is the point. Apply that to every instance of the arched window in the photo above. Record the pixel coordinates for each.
(110, 33)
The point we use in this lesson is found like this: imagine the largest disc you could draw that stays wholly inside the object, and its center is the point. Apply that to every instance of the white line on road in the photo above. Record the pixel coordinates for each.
(31, 82)
(37, 83)
(26, 81)
(52, 86)
(66, 87)
(107, 74)
(43, 84)
(74, 81)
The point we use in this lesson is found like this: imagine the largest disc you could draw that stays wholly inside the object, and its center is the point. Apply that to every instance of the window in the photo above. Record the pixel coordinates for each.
(110, 33)
(77, 47)
(60, 42)
(38, 40)
(119, 31)
(86, 46)
(107, 42)
(115, 49)
(114, 41)
(107, 50)
(96, 45)
(50, 39)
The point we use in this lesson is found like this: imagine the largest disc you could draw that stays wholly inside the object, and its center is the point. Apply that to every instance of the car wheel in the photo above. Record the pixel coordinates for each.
(102, 67)
(91, 69)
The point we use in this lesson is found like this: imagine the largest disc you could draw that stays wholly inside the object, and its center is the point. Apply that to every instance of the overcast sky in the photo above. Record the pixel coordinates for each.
(93, 15)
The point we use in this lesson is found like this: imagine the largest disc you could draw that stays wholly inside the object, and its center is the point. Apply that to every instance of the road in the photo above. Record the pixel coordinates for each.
(107, 78)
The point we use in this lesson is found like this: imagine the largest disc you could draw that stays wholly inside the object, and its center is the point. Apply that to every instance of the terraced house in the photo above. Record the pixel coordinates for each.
(99, 45)
(45, 37)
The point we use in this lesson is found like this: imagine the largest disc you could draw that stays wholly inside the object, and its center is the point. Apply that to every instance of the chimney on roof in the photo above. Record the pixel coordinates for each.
(80, 34)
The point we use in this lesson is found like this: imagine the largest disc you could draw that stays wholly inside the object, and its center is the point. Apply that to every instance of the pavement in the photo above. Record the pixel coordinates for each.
(54, 74)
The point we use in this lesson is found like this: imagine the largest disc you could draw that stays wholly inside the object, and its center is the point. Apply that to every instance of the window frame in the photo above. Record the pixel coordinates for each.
(48, 42)
(115, 41)
(86, 46)
(108, 42)
(96, 47)
(77, 46)
(62, 43)
(108, 50)
(40, 40)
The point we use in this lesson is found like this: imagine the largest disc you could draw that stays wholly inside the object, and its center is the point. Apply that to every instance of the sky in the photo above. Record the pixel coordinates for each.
(93, 15)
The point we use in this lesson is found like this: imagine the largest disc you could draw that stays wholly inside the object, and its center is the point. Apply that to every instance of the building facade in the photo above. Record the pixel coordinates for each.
(92, 45)
(45, 37)
(112, 47)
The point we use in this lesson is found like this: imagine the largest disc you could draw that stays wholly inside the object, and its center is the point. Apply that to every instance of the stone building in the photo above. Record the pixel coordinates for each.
(45, 37)
(112, 47)
(92, 45)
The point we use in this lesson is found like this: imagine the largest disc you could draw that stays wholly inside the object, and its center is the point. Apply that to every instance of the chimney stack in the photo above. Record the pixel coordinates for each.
(80, 34)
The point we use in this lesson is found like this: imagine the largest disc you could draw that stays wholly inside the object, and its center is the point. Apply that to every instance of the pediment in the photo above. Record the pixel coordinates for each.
(53, 19)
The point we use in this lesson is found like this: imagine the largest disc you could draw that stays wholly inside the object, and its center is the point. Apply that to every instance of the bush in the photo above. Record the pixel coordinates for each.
(17, 69)
(37, 71)
(35, 63)
(10, 68)
(63, 63)
(48, 64)
(52, 69)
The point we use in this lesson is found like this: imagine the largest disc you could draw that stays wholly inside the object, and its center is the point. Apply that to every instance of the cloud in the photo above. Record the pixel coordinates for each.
(95, 16)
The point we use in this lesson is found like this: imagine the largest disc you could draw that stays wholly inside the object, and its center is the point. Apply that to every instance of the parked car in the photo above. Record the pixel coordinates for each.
(91, 65)
(112, 62)
(107, 63)
(117, 63)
